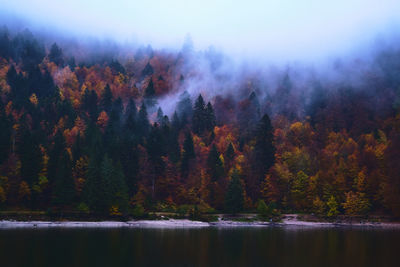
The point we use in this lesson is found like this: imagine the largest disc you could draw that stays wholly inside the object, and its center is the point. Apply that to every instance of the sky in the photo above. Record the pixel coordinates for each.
(257, 28)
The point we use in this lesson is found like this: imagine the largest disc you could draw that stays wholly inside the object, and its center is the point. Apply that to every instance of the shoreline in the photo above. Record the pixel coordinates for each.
(186, 223)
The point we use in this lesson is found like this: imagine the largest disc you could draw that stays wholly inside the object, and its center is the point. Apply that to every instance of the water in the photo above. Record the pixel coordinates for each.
(200, 247)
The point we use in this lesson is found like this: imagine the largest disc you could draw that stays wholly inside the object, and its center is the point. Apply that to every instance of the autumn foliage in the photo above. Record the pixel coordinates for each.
(91, 137)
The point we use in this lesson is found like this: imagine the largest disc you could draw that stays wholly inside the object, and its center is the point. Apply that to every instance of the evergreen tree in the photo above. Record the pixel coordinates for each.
(248, 116)
(188, 154)
(129, 127)
(5, 134)
(131, 109)
(6, 49)
(64, 187)
(210, 117)
(176, 124)
(214, 165)
(199, 116)
(96, 188)
(264, 150)
(230, 152)
(56, 55)
(106, 99)
(184, 108)
(119, 189)
(143, 124)
(30, 156)
(234, 196)
(174, 150)
(160, 116)
(116, 67)
(89, 104)
(55, 154)
(148, 70)
(150, 94)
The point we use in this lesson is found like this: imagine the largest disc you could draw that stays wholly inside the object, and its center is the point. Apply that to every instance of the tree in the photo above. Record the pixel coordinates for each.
(116, 191)
(299, 190)
(6, 48)
(106, 99)
(89, 103)
(5, 134)
(248, 115)
(150, 94)
(332, 207)
(97, 188)
(148, 70)
(210, 117)
(215, 166)
(234, 196)
(184, 108)
(199, 116)
(356, 203)
(143, 122)
(264, 150)
(30, 156)
(263, 210)
(56, 55)
(55, 154)
(64, 187)
(188, 154)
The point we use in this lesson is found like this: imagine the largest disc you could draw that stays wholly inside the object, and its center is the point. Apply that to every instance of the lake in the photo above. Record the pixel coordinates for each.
(211, 246)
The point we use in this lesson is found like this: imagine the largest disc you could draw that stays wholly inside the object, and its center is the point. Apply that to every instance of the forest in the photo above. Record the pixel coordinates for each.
(141, 130)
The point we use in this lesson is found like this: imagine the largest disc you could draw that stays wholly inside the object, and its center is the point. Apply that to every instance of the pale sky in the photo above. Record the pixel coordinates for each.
(274, 28)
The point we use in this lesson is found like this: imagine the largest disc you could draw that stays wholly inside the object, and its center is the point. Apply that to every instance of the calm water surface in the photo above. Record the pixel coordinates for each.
(200, 247)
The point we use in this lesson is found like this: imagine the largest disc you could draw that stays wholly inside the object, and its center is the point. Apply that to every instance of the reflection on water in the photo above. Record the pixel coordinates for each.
(199, 247)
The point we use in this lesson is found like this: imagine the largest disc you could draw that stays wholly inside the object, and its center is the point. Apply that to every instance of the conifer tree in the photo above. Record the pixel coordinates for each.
(56, 55)
(234, 196)
(264, 149)
(106, 99)
(199, 116)
(184, 108)
(210, 117)
(214, 165)
(188, 154)
(64, 187)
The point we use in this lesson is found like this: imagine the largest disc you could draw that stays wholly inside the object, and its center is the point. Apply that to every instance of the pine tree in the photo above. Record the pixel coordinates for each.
(30, 156)
(234, 196)
(150, 94)
(55, 155)
(176, 124)
(188, 154)
(264, 150)
(5, 134)
(89, 103)
(64, 187)
(184, 108)
(129, 127)
(210, 117)
(160, 116)
(230, 153)
(199, 116)
(119, 189)
(215, 166)
(97, 188)
(143, 124)
(148, 70)
(106, 99)
(56, 55)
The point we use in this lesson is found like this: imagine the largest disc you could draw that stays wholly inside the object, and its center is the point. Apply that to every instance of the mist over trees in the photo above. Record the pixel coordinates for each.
(159, 129)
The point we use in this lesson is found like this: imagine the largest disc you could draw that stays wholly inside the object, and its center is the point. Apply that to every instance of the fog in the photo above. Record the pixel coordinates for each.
(230, 48)
(271, 30)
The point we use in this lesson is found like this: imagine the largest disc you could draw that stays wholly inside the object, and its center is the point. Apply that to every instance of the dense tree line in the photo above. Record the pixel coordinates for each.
(92, 138)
